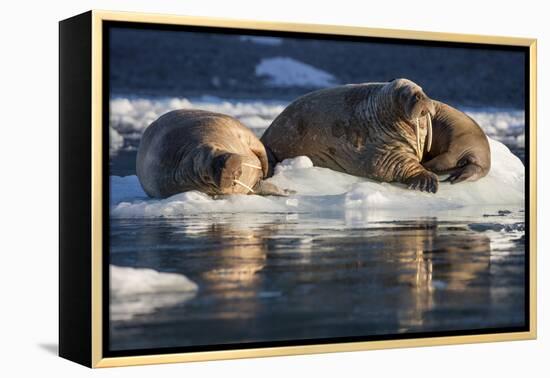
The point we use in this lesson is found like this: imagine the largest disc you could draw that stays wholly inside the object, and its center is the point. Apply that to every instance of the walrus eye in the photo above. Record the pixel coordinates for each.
(418, 96)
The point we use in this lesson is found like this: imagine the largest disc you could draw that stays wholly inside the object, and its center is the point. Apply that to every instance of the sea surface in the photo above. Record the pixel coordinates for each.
(276, 277)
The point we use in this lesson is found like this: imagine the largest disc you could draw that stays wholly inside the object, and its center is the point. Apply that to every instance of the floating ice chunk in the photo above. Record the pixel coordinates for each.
(268, 41)
(138, 291)
(521, 141)
(288, 72)
(255, 122)
(130, 281)
(505, 125)
(173, 103)
(116, 141)
(121, 106)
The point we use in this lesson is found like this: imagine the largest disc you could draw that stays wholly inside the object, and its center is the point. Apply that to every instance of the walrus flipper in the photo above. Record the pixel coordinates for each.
(424, 181)
(469, 172)
(405, 169)
(463, 170)
(267, 189)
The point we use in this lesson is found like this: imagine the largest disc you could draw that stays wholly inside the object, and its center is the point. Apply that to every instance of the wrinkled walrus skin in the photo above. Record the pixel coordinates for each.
(460, 148)
(373, 130)
(198, 150)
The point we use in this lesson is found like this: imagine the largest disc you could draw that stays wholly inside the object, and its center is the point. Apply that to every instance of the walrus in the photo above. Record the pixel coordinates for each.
(460, 147)
(213, 153)
(373, 130)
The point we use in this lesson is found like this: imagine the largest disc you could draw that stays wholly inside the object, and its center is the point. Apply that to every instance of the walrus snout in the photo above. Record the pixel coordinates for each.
(227, 168)
(428, 108)
(419, 105)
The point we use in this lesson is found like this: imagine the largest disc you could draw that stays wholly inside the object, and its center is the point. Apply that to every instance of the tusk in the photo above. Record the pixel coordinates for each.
(417, 132)
(252, 166)
(244, 185)
(429, 136)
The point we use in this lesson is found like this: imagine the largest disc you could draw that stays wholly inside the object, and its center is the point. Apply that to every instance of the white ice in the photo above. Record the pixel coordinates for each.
(321, 189)
(130, 117)
(116, 141)
(288, 72)
(268, 41)
(506, 125)
(138, 291)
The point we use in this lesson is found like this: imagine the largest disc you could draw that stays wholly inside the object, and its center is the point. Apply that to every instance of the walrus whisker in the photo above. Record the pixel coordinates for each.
(252, 166)
(429, 142)
(243, 185)
(417, 132)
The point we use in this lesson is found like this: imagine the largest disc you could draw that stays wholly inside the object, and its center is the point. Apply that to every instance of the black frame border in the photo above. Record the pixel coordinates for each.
(105, 46)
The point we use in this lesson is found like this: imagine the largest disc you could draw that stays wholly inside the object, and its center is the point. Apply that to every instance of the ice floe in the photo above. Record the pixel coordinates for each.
(506, 125)
(321, 189)
(139, 291)
(116, 141)
(288, 72)
(260, 40)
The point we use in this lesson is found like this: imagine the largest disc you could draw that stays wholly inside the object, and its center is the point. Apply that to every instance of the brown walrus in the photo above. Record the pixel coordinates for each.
(460, 148)
(374, 130)
(199, 150)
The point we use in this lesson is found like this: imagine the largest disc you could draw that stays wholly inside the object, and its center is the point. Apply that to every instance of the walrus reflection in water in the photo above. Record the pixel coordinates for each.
(199, 150)
(437, 268)
(374, 130)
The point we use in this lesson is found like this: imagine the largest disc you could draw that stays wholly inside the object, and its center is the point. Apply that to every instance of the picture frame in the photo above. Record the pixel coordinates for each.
(84, 116)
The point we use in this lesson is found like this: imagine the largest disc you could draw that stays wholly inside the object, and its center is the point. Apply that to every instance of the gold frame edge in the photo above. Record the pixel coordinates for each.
(533, 188)
(98, 16)
(97, 191)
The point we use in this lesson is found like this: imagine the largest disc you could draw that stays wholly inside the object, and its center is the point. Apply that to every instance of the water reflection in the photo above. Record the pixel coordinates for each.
(294, 277)
(243, 255)
(430, 261)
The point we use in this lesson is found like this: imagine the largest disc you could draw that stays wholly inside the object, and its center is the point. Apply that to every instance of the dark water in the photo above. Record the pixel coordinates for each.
(189, 64)
(269, 277)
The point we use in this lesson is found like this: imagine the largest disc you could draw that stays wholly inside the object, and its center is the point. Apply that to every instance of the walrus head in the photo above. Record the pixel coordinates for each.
(413, 105)
(233, 173)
